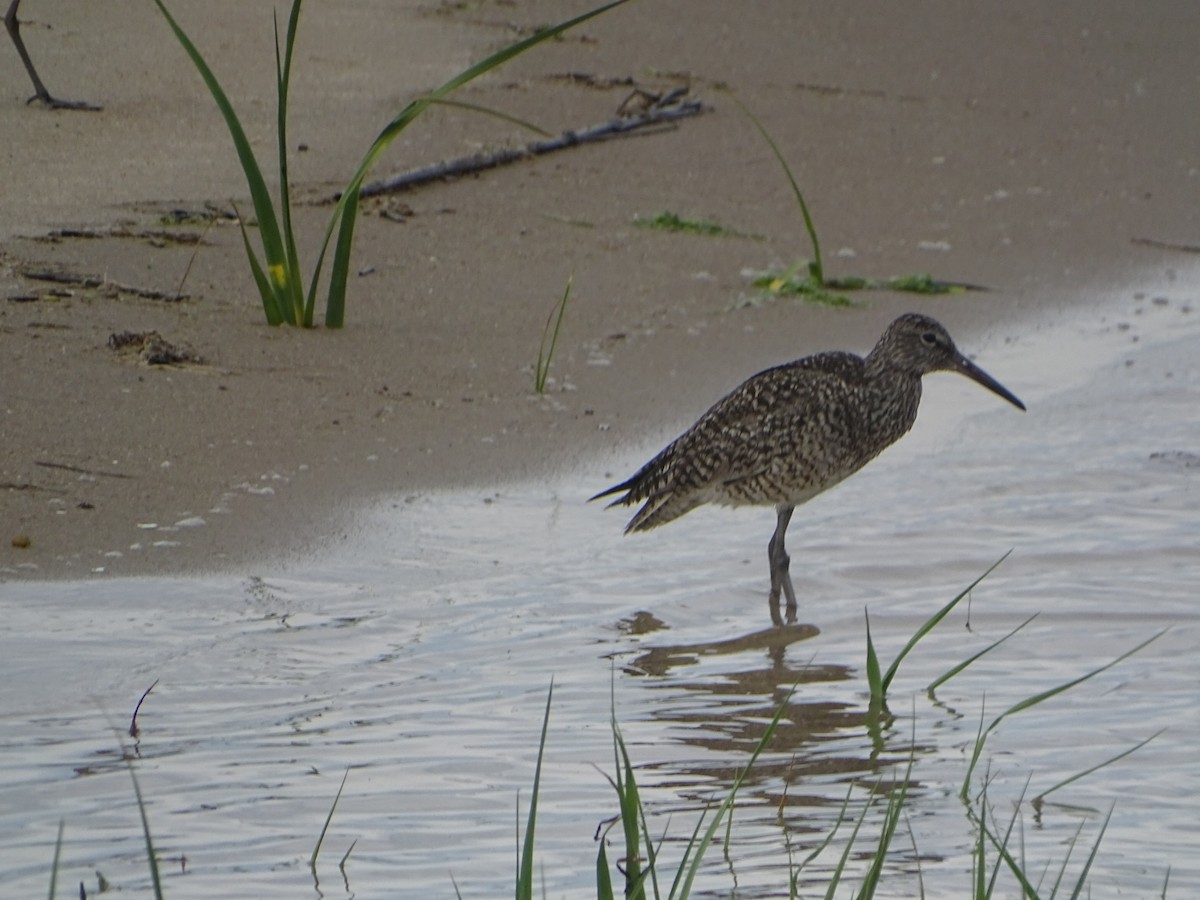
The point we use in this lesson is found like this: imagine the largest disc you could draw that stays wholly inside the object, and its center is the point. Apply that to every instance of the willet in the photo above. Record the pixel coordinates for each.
(40, 93)
(790, 432)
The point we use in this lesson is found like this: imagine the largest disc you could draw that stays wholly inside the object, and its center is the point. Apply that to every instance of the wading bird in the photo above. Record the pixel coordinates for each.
(790, 432)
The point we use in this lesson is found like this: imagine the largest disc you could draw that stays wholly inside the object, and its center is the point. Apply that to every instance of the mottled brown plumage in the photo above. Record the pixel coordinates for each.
(790, 432)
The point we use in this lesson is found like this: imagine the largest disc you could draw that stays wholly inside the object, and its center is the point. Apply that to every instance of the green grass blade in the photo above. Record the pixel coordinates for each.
(604, 888)
(546, 353)
(829, 835)
(630, 807)
(1042, 697)
(1138, 746)
(874, 680)
(1062, 870)
(1012, 824)
(151, 857)
(938, 682)
(932, 622)
(264, 211)
(283, 74)
(346, 211)
(891, 819)
(979, 864)
(839, 870)
(58, 842)
(1087, 867)
(525, 863)
(817, 267)
(1018, 872)
(494, 113)
(270, 300)
(312, 860)
(335, 304)
(1055, 691)
(346, 856)
(916, 857)
(977, 749)
(681, 869)
(417, 106)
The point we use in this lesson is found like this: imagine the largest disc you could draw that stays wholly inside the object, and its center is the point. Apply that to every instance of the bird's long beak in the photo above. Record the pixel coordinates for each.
(964, 366)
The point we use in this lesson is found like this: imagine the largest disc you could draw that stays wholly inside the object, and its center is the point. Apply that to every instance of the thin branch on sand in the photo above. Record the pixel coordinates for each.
(662, 110)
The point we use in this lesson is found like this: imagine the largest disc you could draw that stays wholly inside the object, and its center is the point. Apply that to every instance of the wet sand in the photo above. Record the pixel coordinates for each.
(1034, 151)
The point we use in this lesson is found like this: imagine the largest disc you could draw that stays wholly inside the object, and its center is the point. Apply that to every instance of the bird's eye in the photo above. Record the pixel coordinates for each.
(929, 338)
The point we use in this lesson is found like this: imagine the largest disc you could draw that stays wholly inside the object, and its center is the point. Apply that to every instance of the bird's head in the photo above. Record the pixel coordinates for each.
(918, 345)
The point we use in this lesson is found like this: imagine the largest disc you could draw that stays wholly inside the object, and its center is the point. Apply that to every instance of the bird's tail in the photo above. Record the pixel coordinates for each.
(626, 486)
(661, 509)
(660, 506)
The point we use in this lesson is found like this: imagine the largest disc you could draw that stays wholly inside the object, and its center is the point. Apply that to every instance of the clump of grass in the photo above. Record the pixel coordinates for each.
(632, 816)
(807, 278)
(279, 276)
(641, 866)
(989, 833)
(892, 815)
(677, 224)
(549, 340)
(644, 875)
(637, 870)
(801, 280)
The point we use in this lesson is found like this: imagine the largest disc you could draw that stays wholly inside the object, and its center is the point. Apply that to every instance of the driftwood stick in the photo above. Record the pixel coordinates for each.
(55, 276)
(1166, 245)
(69, 468)
(656, 115)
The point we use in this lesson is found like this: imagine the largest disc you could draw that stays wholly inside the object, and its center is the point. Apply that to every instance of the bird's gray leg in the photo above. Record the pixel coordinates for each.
(779, 560)
(40, 93)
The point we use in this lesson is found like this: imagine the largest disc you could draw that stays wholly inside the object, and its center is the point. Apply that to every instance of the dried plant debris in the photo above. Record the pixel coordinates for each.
(1180, 459)
(156, 237)
(180, 215)
(96, 283)
(591, 80)
(150, 348)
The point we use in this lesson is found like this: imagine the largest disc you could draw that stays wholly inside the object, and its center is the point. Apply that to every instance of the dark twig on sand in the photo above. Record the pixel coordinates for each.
(55, 276)
(1166, 245)
(664, 110)
(46, 464)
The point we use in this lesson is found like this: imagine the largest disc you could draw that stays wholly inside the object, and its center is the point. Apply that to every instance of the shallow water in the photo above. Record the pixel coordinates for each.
(420, 659)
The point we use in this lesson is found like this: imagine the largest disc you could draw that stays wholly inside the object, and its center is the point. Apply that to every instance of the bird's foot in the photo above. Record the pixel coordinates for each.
(778, 619)
(51, 102)
(781, 583)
